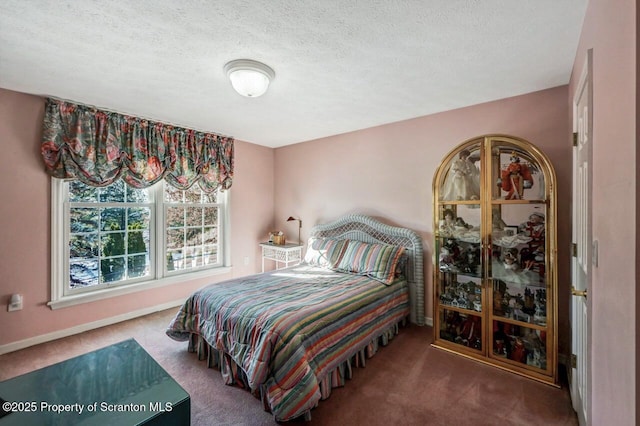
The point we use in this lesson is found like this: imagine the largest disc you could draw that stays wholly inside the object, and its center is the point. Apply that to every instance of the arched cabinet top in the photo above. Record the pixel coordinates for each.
(460, 177)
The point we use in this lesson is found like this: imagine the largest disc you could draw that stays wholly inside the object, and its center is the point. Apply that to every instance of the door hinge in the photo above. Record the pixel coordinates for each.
(574, 249)
(575, 138)
(574, 361)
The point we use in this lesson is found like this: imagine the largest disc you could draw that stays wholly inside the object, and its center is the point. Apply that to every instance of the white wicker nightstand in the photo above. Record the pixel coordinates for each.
(287, 254)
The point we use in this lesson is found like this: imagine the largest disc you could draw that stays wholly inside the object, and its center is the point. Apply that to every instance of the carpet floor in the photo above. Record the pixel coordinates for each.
(408, 382)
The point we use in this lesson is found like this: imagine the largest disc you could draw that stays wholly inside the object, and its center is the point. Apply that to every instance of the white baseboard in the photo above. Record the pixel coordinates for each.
(21, 344)
(428, 321)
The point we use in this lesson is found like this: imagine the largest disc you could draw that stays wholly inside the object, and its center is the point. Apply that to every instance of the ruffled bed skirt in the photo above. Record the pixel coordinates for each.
(232, 374)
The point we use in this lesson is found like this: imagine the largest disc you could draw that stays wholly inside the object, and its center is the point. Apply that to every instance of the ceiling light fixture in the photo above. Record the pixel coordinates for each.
(249, 78)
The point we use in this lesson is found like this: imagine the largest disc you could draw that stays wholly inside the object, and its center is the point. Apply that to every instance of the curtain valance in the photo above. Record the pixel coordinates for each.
(98, 147)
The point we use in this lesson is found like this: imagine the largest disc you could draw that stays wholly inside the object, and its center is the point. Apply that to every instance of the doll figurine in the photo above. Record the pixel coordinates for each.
(451, 326)
(510, 260)
(515, 179)
(447, 225)
(463, 180)
(533, 256)
(500, 341)
(449, 256)
(519, 352)
(470, 261)
(469, 332)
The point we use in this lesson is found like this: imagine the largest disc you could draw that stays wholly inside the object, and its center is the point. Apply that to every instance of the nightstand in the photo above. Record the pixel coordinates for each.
(287, 254)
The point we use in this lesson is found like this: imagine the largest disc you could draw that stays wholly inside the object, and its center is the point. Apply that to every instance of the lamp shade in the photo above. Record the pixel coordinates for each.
(249, 78)
(299, 226)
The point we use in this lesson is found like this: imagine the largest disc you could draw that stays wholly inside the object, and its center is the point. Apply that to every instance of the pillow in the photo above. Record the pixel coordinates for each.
(402, 264)
(378, 261)
(324, 252)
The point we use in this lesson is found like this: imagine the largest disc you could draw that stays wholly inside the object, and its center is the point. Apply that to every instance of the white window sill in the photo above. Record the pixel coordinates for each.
(80, 298)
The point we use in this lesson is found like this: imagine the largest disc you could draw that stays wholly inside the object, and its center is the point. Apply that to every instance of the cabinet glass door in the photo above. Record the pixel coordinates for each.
(519, 283)
(518, 268)
(460, 283)
(459, 238)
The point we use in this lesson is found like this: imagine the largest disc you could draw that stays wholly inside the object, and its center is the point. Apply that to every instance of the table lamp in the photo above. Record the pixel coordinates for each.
(299, 226)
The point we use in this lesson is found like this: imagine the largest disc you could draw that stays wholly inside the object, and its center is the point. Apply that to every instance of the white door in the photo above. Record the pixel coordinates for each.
(584, 253)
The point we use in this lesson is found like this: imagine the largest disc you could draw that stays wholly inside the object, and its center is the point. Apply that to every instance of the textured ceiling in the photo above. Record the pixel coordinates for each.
(340, 65)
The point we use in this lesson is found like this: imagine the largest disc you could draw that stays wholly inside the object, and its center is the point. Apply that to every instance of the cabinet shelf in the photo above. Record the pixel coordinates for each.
(495, 271)
(519, 323)
(466, 311)
(498, 201)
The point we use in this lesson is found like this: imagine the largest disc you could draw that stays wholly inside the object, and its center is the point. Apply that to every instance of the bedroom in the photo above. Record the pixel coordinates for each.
(329, 162)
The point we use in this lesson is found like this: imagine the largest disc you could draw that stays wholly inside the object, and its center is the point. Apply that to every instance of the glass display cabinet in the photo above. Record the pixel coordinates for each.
(495, 277)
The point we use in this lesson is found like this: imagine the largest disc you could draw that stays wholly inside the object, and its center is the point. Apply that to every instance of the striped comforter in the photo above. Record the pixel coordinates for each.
(287, 329)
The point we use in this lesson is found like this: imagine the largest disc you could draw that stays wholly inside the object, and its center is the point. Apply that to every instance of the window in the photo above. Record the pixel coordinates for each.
(191, 229)
(118, 239)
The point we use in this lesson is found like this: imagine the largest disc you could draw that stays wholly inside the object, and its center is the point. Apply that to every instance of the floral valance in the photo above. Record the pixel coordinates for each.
(98, 147)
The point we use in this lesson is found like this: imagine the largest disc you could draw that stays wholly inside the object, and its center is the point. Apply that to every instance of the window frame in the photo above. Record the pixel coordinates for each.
(160, 276)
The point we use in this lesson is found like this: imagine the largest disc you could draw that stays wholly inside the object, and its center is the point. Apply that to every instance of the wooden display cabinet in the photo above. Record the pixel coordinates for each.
(495, 267)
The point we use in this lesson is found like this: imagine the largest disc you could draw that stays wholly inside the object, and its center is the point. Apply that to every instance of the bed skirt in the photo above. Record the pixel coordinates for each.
(232, 374)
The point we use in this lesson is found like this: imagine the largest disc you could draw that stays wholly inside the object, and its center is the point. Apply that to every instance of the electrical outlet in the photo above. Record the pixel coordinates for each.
(15, 303)
(246, 261)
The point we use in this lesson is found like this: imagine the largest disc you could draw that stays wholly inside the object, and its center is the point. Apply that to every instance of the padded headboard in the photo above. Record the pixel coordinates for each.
(368, 230)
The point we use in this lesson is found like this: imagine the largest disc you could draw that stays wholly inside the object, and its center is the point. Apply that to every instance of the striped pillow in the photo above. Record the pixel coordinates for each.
(324, 252)
(378, 261)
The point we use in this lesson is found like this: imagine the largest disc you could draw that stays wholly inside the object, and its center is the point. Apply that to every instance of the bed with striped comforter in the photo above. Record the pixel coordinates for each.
(290, 331)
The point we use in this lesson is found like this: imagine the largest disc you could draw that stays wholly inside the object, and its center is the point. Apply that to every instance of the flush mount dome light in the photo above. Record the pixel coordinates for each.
(249, 78)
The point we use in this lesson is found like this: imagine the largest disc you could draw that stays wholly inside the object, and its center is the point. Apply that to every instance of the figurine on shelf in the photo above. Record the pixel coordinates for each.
(460, 223)
(515, 178)
(516, 305)
(499, 289)
(447, 297)
(500, 340)
(510, 260)
(463, 180)
(477, 305)
(540, 314)
(536, 353)
(447, 225)
(470, 260)
(534, 228)
(519, 352)
(529, 301)
(463, 302)
(534, 358)
(533, 255)
(470, 332)
(449, 256)
(506, 304)
(451, 326)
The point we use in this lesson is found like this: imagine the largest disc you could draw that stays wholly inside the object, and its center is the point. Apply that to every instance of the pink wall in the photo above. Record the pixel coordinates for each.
(25, 218)
(610, 29)
(387, 171)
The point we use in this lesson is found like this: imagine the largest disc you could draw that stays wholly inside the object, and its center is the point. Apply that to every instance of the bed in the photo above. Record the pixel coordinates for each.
(291, 335)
